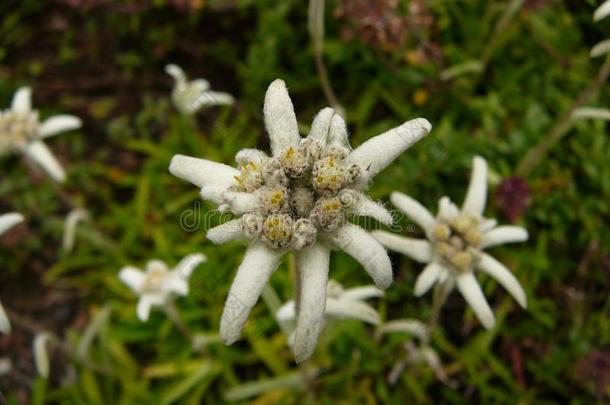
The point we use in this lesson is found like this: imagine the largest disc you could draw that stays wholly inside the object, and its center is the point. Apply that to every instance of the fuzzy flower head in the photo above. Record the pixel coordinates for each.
(456, 242)
(22, 132)
(190, 96)
(7, 221)
(157, 284)
(298, 199)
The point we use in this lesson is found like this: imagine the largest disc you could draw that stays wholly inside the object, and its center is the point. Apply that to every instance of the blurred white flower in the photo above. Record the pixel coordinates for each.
(22, 132)
(72, 219)
(41, 355)
(456, 239)
(157, 285)
(189, 96)
(340, 304)
(298, 200)
(602, 11)
(603, 47)
(416, 353)
(7, 221)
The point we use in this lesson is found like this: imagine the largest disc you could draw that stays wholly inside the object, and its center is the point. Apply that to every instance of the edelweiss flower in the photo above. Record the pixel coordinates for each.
(417, 353)
(456, 239)
(298, 200)
(21, 131)
(189, 96)
(157, 285)
(341, 303)
(7, 221)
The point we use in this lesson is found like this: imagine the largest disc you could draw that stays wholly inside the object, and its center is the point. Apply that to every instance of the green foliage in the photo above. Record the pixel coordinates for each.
(104, 61)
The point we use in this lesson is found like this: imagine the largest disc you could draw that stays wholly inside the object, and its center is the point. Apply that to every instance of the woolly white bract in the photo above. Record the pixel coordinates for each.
(7, 221)
(158, 284)
(456, 239)
(298, 199)
(189, 96)
(22, 132)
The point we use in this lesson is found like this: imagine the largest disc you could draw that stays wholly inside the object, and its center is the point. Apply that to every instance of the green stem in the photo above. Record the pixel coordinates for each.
(535, 155)
(316, 30)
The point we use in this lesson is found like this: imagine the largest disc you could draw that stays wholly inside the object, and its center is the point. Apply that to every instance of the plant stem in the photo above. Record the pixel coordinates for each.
(174, 315)
(438, 301)
(562, 125)
(316, 30)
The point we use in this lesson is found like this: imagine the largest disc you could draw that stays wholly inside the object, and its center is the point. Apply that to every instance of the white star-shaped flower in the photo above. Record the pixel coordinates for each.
(158, 284)
(298, 200)
(456, 239)
(189, 96)
(22, 132)
(7, 221)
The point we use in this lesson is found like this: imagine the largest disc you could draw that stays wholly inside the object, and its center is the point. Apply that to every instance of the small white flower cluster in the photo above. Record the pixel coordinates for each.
(158, 285)
(456, 239)
(22, 132)
(297, 200)
(190, 96)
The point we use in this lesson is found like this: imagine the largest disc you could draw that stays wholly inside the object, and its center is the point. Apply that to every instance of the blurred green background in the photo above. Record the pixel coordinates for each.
(388, 61)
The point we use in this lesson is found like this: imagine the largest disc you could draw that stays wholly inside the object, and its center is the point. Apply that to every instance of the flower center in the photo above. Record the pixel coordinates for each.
(300, 191)
(154, 280)
(456, 241)
(17, 129)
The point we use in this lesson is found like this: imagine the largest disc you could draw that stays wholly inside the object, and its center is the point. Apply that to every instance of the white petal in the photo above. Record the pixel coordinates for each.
(446, 209)
(241, 203)
(602, 11)
(320, 126)
(476, 196)
(41, 357)
(246, 156)
(417, 212)
(417, 249)
(312, 268)
(352, 309)
(338, 132)
(280, 119)
(600, 49)
(146, 302)
(176, 283)
(226, 232)
(5, 324)
(470, 289)
(39, 153)
(210, 98)
(253, 273)
(176, 72)
(199, 85)
(202, 172)
(504, 234)
(22, 100)
(59, 123)
(188, 264)
(287, 312)
(359, 244)
(70, 224)
(132, 277)
(8, 221)
(365, 207)
(361, 293)
(214, 193)
(427, 278)
(411, 326)
(378, 152)
(503, 276)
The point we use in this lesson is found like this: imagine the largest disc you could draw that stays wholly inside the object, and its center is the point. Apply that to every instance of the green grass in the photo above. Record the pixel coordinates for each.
(105, 64)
